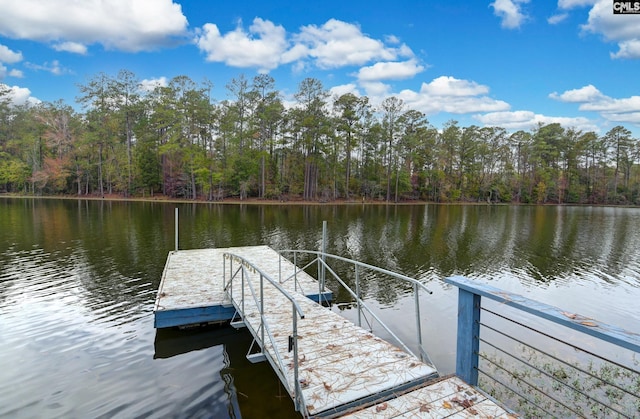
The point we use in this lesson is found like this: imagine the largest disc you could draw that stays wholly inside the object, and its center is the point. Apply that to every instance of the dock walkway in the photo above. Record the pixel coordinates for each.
(342, 369)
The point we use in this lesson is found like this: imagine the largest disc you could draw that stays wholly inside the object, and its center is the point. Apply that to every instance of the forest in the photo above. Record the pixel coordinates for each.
(175, 141)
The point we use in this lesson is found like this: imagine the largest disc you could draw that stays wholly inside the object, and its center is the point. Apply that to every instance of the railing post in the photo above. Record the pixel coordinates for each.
(262, 310)
(295, 271)
(468, 344)
(231, 278)
(358, 296)
(296, 380)
(418, 322)
(176, 228)
(242, 295)
(324, 252)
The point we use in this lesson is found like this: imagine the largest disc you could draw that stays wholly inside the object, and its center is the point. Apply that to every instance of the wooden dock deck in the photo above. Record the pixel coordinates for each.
(191, 290)
(447, 397)
(342, 368)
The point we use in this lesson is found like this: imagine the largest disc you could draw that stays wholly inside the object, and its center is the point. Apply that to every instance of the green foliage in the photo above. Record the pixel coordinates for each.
(174, 140)
(147, 166)
(13, 173)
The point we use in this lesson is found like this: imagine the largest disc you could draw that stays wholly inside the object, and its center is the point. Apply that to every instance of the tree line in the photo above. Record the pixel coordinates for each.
(176, 141)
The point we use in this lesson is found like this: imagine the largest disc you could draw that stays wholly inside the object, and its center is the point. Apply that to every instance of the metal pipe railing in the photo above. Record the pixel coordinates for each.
(245, 269)
(361, 264)
(360, 301)
(296, 283)
(320, 259)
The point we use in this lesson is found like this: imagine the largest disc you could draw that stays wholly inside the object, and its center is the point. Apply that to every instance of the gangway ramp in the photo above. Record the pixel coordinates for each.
(340, 365)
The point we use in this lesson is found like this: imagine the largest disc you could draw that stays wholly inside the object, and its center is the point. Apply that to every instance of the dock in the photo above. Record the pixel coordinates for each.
(191, 289)
(329, 366)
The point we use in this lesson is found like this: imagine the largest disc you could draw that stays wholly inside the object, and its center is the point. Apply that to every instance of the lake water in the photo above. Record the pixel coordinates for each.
(78, 281)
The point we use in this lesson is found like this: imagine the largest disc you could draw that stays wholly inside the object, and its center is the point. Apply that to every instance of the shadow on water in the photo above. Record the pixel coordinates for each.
(252, 389)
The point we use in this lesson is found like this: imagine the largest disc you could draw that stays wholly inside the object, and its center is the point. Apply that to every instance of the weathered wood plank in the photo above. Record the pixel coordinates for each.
(448, 398)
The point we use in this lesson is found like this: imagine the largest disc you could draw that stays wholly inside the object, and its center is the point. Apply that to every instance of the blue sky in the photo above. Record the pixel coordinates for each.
(510, 63)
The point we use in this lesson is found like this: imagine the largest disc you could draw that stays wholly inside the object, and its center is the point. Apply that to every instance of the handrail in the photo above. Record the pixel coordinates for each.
(606, 385)
(362, 264)
(246, 263)
(245, 267)
(582, 324)
(323, 266)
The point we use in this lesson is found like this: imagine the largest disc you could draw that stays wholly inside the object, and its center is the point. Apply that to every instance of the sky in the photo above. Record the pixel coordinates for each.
(507, 63)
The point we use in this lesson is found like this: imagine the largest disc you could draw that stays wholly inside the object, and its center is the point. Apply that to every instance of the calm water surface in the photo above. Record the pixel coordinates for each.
(78, 281)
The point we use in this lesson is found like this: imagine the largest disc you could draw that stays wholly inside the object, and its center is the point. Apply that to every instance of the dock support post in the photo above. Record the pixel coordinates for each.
(468, 344)
(176, 223)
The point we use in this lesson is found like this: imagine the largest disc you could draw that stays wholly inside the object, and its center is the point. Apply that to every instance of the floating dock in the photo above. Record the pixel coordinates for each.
(331, 367)
(192, 292)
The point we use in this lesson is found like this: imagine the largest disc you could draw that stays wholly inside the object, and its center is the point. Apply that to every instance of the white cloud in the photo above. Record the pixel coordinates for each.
(338, 44)
(623, 29)
(392, 39)
(344, 89)
(609, 105)
(448, 94)
(4, 72)
(295, 54)
(149, 85)
(73, 47)
(376, 90)
(116, 24)
(8, 56)
(628, 49)
(266, 46)
(54, 68)
(592, 100)
(583, 94)
(20, 95)
(526, 120)
(263, 46)
(510, 11)
(628, 117)
(570, 4)
(450, 86)
(511, 118)
(555, 19)
(390, 71)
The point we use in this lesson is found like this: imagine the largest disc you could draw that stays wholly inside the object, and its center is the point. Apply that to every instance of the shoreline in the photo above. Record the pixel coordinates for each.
(236, 201)
(291, 202)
